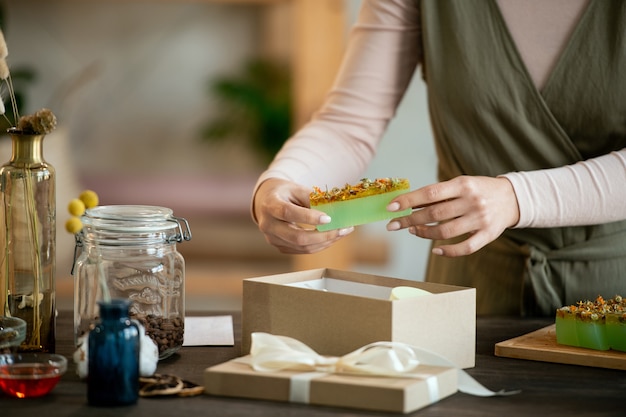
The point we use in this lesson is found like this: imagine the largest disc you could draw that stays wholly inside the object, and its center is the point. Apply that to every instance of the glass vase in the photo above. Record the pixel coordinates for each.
(113, 377)
(28, 240)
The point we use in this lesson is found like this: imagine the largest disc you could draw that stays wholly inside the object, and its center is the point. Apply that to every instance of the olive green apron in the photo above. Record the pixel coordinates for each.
(488, 118)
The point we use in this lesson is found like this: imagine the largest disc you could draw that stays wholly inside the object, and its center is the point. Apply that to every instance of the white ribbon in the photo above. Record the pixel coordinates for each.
(271, 353)
(300, 388)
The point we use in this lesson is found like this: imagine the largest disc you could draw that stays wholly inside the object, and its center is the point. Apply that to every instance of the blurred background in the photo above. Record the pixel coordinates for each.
(182, 103)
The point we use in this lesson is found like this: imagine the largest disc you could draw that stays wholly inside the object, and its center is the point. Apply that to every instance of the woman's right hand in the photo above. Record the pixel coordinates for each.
(281, 209)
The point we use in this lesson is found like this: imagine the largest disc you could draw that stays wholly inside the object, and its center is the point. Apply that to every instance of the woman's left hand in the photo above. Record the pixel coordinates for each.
(479, 207)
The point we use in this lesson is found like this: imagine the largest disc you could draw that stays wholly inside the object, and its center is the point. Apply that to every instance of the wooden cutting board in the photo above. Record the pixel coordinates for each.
(541, 345)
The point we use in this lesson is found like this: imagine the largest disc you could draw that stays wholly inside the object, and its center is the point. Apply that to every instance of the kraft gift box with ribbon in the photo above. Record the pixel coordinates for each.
(336, 312)
(381, 376)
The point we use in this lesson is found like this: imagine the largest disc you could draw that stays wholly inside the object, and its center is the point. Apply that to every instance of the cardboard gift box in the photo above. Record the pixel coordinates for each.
(336, 312)
(392, 394)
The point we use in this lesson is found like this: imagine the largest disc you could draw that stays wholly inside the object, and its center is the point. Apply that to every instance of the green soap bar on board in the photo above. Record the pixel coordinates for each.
(566, 331)
(592, 335)
(616, 331)
(571, 330)
(598, 324)
(358, 211)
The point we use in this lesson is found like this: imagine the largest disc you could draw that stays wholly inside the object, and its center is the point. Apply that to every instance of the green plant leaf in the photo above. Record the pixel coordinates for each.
(255, 105)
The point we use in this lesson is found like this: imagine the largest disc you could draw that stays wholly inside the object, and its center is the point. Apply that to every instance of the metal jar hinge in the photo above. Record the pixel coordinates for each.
(183, 234)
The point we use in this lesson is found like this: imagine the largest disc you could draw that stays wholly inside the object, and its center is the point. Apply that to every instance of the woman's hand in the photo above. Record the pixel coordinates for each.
(479, 207)
(281, 210)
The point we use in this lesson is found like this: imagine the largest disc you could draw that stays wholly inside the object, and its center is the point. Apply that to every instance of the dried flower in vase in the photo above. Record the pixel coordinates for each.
(41, 122)
(27, 218)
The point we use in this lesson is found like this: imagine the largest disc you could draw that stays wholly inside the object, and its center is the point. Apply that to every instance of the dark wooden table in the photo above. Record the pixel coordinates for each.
(548, 389)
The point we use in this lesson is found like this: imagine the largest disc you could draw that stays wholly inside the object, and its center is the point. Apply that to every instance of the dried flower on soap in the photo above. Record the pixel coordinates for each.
(366, 187)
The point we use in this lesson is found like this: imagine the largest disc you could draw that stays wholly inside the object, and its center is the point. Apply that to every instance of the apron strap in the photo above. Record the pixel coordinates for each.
(540, 293)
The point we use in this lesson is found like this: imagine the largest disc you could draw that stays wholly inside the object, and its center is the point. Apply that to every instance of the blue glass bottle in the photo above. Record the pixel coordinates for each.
(113, 357)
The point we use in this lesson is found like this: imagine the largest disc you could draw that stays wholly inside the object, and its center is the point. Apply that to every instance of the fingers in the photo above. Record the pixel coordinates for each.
(475, 209)
(433, 214)
(434, 193)
(281, 200)
(291, 238)
(283, 215)
(305, 241)
(477, 233)
(292, 229)
(466, 247)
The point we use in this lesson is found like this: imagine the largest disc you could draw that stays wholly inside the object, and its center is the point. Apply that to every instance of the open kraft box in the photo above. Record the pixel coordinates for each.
(336, 312)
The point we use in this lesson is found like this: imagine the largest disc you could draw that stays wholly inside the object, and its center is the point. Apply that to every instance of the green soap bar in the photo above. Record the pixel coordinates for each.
(599, 324)
(566, 333)
(358, 211)
(616, 331)
(592, 334)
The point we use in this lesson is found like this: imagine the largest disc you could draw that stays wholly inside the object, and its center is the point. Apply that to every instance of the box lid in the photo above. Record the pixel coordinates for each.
(393, 394)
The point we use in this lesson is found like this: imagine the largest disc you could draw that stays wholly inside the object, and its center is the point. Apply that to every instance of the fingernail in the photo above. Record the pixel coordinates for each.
(395, 206)
(413, 230)
(325, 219)
(393, 226)
(437, 251)
(346, 231)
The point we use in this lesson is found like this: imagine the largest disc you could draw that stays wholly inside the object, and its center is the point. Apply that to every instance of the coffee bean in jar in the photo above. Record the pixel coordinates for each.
(167, 333)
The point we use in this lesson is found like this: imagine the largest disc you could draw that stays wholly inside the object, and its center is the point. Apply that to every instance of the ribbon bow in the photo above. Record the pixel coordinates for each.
(272, 353)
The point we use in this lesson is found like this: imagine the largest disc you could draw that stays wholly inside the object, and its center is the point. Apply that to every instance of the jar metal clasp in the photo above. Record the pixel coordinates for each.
(78, 238)
(183, 234)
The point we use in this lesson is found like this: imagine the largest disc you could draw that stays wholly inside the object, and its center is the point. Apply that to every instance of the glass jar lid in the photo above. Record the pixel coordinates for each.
(135, 220)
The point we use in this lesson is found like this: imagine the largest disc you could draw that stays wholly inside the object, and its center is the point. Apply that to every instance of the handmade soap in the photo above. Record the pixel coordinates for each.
(591, 330)
(361, 203)
(616, 330)
(566, 333)
(598, 324)
(402, 292)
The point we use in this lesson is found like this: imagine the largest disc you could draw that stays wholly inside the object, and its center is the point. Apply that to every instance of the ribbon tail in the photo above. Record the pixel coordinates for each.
(503, 393)
(469, 385)
(466, 383)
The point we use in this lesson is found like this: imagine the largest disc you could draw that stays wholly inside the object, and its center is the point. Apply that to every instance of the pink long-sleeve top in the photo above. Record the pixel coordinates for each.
(336, 146)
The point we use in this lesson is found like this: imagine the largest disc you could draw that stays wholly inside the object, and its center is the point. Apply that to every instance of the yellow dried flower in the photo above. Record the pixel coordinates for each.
(73, 225)
(42, 122)
(76, 207)
(90, 198)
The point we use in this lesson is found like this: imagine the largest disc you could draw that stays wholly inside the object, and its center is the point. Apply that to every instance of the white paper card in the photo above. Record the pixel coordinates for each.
(209, 331)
